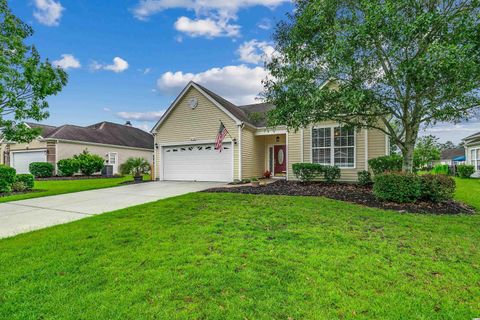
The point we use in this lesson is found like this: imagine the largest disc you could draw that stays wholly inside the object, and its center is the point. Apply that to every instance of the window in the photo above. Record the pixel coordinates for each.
(475, 158)
(334, 146)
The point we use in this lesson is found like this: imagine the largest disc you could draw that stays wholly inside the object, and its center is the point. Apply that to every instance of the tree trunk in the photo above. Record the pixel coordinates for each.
(407, 153)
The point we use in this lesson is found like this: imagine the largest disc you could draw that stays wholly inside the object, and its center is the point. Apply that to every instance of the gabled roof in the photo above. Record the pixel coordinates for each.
(102, 133)
(449, 154)
(472, 137)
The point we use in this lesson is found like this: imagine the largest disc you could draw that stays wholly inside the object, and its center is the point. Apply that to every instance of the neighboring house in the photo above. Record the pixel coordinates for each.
(114, 142)
(472, 151)
(185, 136)
(452, 156)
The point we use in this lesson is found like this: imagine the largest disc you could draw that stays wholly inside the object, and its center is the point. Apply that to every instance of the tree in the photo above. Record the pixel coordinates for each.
(427, 149)
(25, 81)
(447, 145)
(393, 65)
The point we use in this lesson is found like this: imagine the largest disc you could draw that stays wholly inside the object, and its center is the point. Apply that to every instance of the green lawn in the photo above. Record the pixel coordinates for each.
(53, 187)
(232, 256)
(468, 191)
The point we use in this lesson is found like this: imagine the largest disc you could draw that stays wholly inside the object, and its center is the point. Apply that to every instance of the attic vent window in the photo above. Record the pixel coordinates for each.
(193, 103)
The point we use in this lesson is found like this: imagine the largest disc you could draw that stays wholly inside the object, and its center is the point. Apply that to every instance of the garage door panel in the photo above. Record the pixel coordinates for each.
(21, 160)
(197, 163)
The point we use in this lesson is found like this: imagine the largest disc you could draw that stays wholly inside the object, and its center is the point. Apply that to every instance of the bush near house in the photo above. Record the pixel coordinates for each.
(383, 164)
(397, 187)
(28, 180)
(41, 169)
(306, 172)
(465, 170)
(68, 167)
(89, 163)
(364, 178)
(18, 186)
(437, 187)
(7, 178)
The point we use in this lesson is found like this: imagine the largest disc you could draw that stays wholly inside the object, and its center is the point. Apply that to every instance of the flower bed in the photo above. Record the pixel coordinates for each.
(351, 193)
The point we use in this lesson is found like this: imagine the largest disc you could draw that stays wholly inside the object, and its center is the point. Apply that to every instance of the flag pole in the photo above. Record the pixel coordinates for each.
(226, 129)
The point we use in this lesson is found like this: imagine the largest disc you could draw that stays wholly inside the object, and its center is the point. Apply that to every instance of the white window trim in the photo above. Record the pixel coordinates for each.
(476, 160)
(332, 146)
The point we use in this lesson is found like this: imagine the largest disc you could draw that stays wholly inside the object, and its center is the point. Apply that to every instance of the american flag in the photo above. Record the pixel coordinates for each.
(222, 132)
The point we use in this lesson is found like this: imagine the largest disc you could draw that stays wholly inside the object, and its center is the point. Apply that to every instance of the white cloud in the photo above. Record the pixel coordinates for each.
(147, 8)
(107, 109)
(140, 116)
(208, 27)
(145, 71)
(68, 61)
(265, 24)
(239, 84)
(255, 51)
(453, 132)
(48, 12)
(118, 65)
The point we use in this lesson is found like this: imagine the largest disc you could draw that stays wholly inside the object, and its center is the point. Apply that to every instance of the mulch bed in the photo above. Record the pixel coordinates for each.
(77, 178)
(17, 193)
(133, 182)
(350, 193)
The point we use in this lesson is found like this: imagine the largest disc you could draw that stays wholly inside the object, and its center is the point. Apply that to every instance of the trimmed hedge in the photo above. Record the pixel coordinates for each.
(7, 178)
(364, 178)
(465, 170)
(68, 167)
(309, 171)
(384, 164)
(397, 187)
(437, 187)
(27, 179)
(409, 187)
(41, 169)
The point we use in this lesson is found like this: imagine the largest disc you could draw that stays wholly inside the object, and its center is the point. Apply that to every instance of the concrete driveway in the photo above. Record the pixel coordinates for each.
(32, 214)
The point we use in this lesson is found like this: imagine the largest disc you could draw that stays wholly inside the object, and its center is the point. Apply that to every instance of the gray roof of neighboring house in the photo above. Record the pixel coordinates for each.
(45, 129)
(449, 154)
(102, 132)
(254, 114)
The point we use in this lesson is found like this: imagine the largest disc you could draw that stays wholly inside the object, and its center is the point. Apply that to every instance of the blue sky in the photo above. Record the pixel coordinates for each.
(127, 60)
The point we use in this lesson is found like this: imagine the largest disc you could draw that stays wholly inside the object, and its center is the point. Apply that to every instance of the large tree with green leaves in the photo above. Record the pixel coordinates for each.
(427, 150)
(400, 65)
(25, 81)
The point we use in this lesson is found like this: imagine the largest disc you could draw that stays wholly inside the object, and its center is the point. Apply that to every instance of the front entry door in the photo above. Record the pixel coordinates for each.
(280, 157)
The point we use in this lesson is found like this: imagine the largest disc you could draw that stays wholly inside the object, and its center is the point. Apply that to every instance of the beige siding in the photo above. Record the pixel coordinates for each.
(253, 154)
(2, 153)
(376, 147)
(35, 144)
(68, 149)
(185, 124)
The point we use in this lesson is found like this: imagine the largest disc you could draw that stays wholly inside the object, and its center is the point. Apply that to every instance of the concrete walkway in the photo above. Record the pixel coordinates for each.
(32, 214)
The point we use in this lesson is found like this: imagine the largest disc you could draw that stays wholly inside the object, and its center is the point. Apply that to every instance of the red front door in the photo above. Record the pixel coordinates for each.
(280, 159)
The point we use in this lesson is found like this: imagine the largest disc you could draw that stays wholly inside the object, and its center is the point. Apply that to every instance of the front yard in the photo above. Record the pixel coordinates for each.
(54, 187)
(233, 256)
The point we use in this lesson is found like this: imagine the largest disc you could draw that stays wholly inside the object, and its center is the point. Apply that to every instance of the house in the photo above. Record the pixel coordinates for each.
(472, 151)
(452, 156)
(185, 135)
(115, 142)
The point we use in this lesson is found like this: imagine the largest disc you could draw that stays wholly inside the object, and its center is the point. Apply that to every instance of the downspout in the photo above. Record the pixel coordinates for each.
(240, 127)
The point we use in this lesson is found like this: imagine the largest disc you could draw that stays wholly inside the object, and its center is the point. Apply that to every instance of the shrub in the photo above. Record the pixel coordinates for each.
(89, 163)
(27, 179)
(397, 187)
(437, 187)
(306, 171)
(386, 163)
(68, 167)
(330, 173)
(18, 186)
(7, 178)
(364, 178)
(465, 170)
(440, 169)
(135, 166)
(267, 174)
(41, 169)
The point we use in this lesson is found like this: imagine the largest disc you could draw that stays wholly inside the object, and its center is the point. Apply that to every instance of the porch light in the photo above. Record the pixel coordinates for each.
(277, 139)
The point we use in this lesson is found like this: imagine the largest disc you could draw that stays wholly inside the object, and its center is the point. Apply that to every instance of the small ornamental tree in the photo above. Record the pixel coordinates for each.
(392, 65)
(25, 81)
(426, 151)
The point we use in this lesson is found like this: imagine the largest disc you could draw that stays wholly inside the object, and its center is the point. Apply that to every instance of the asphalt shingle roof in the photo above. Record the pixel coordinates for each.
(102, 132)
(449, 154)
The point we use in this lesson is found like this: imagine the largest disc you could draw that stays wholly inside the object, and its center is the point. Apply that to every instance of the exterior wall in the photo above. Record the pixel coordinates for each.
(375, 147)
(253, 154)
(3, 147)
(185, 124)
(468, 154)
(67, 150)
(35, 144)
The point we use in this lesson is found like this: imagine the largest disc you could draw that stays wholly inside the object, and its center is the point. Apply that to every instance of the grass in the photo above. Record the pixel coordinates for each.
(53, 187)
(232, 256)
(468, 191)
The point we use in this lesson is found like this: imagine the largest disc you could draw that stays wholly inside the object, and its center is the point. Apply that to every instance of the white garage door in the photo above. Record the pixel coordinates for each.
(199, 162)
(21, 160)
